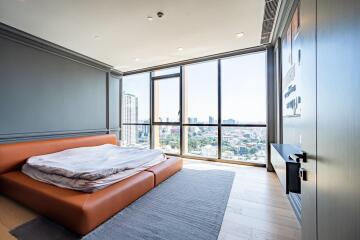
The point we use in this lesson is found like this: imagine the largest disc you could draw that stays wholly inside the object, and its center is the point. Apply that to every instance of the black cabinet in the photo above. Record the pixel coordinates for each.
(287, 171)
(286, 168)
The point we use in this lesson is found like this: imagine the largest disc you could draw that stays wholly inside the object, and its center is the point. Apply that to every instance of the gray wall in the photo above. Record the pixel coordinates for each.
(290, 125)
(338, 77)
(43, 93)
(330, 125)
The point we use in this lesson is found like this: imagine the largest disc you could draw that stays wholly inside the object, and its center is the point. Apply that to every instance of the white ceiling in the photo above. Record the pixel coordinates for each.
(118, 33)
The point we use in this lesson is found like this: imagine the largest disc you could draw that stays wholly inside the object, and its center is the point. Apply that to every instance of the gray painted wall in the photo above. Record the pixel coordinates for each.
(338, 78)
(289, 126)
(42, 93)
(330, 125)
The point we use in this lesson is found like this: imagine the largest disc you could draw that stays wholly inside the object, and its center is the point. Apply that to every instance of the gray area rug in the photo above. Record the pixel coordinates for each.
(190, 205)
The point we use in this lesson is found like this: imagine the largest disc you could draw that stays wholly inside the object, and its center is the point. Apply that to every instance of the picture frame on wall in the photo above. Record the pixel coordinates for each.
(291, 97)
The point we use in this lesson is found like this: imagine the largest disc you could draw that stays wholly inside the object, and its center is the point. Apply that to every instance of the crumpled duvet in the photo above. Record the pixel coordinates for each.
(89, 169)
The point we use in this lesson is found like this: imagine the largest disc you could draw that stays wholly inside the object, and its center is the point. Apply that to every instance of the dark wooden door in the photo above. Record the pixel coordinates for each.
(307, 129)
(338, 54)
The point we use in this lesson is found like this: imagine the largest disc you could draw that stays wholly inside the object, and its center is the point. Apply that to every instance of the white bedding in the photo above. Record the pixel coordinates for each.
(89, 169)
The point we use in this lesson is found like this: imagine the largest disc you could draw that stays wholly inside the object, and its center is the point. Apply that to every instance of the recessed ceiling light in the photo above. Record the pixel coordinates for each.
(240, 35)
(150, 18)
(180, 49)
(137, 59)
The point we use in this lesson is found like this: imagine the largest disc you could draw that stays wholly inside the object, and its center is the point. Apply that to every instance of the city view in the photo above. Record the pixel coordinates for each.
(243, 103)
(237, 143)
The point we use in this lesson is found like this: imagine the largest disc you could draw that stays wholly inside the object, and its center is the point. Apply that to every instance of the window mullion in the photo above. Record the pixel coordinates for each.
(219, 109)
(151, 111)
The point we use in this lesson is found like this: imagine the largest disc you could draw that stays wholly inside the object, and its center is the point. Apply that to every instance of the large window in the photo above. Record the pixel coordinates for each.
(167, 138)
(200, 86)
(214, 109)
(200, 109)
(201, 141)
(243, 89)
(135, 115)
(166, 110)
(167, 100)
(243, 108)
(246, 144)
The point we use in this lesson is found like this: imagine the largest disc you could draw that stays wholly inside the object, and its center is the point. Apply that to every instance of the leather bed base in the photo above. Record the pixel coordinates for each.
(78, 211)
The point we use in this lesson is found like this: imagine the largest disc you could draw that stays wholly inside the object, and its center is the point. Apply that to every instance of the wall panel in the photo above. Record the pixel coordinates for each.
(44, 93)
(338, 53)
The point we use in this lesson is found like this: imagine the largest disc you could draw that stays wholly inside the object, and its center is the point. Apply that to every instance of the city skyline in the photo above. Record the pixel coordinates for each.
(238, 143)
(243, 86)
(243, 103)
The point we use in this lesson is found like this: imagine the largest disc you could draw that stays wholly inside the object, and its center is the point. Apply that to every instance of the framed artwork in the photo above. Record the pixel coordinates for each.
(291, 68)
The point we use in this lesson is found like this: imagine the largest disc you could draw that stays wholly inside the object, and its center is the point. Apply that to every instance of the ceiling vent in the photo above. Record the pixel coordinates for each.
(270, 10)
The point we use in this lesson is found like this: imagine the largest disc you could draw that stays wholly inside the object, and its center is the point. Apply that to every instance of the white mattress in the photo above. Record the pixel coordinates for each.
(89, 169)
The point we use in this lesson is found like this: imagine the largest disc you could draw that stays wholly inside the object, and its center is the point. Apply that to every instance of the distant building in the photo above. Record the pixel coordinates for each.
(243, 150)
(192, 120)
(211, 120)
(229, 121)
(130, 115)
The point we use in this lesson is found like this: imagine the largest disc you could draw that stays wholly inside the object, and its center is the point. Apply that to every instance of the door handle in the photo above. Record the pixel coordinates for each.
(303, 174)
(297, 157)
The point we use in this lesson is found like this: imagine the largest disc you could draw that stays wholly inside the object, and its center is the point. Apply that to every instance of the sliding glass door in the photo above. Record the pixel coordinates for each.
(166, 110)
(213, 110)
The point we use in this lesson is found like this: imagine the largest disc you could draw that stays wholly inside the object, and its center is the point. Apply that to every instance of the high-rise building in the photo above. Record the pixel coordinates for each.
(229, 121)
(211, 120)
(130, 115)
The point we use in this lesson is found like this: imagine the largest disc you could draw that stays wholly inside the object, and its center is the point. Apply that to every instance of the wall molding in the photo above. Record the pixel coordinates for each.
(29, 40)
(21, 137)
(22, 38)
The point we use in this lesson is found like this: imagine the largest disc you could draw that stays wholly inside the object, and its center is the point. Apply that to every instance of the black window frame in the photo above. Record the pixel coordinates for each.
(137, 123)
(182, 123)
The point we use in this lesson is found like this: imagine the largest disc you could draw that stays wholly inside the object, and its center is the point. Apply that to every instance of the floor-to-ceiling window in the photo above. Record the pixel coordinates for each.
(243, 108)
(200, 109)
(214, 109)
(166, 110)
(135, 114)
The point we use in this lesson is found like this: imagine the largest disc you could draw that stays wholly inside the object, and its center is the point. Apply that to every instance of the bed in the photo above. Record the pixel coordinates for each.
(78, 211)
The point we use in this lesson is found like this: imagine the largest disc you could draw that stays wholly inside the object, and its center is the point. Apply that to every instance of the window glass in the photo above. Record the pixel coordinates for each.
(247, 144)
(201, 141)
(200, 88)
(166, 71)
(243, 87)
(166, 100)
(167, 138)
(135, 136)
(136, 98)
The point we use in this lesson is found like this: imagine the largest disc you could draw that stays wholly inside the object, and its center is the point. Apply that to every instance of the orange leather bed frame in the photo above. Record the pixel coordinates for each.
(78, 211)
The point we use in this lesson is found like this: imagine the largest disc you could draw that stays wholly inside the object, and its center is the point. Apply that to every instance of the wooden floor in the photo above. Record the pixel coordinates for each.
(257, 208)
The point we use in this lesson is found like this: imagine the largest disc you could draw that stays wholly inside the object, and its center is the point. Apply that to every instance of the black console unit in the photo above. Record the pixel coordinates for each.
(284, 158)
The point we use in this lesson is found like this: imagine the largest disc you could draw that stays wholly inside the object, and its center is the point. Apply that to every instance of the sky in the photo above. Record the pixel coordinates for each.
(243, 85)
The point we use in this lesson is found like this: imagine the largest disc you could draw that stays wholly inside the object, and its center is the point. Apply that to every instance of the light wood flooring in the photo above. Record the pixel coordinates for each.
(257, 208)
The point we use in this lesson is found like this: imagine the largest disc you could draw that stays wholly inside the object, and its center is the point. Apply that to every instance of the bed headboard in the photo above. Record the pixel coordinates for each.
(13, 155)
